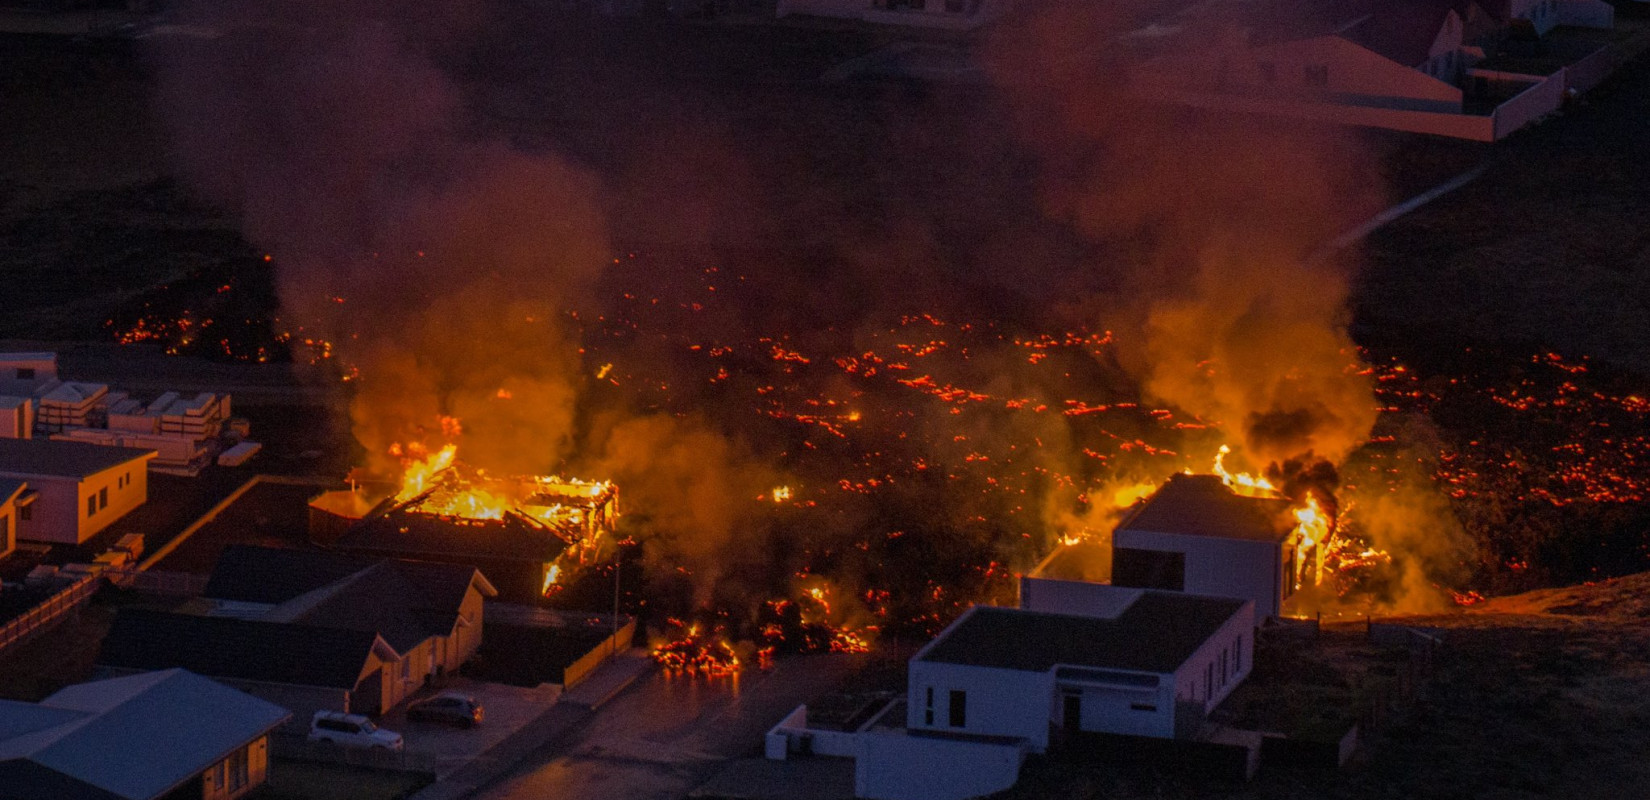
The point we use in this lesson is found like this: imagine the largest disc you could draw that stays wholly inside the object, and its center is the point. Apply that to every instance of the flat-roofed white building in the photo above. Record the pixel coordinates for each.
(27, 370)
(79, 489)
(1105, 660)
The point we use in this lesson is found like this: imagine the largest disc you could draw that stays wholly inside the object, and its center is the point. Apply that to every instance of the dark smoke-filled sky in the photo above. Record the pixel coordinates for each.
(448, 199)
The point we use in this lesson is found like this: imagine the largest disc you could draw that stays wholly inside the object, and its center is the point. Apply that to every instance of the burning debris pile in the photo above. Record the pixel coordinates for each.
(435, 484)
(697, 649)
(529, 534)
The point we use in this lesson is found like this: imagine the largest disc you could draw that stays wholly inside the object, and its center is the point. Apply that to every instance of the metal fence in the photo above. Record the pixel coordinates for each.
(300, 748)
(48, 613)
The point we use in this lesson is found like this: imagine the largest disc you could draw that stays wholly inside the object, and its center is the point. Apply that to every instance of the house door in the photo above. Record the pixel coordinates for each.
(368, 697)
(1074, 712)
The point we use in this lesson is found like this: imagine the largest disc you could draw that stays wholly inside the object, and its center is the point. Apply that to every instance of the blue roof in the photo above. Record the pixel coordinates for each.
(139, 736)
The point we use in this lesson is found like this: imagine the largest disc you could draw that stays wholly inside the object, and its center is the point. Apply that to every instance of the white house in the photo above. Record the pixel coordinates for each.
(998, 683)
(170, 734)
(939, 14)
(1091, 658)
(1196, 535)
(22, 373)
(1398, 64)
(12, 503)
(79, 488)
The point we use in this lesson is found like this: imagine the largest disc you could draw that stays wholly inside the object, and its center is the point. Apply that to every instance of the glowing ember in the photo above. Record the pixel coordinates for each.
(697, 651)
(781, 494)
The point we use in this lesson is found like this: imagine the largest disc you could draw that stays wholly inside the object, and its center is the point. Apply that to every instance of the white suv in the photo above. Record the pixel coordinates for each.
(353, 730)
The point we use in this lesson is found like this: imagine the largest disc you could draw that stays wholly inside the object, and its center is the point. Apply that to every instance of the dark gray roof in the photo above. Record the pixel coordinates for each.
(223, 647)
(403, 533)
(62, 459)
(136, 737)
(1202, 505)
(406, 602)
(253, 574)
(1157, 633)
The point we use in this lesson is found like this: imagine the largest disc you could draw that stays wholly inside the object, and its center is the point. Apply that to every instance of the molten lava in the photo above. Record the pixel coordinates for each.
(697, 650)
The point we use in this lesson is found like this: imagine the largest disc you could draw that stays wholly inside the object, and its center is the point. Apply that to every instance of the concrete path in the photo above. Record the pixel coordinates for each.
(573, 708)
(669, 733)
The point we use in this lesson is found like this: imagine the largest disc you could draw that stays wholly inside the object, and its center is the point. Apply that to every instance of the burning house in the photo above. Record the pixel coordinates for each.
(1198, 535)
(525, 533)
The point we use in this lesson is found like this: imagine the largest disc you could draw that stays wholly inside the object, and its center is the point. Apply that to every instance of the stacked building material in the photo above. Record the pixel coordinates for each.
(199, 418)
(128, 414)
(176, 455)
(238, 455)
(68, 404)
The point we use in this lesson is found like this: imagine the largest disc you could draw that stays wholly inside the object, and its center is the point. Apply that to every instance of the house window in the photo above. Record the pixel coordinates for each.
(1268, 72)
(238, 772)
(1317, 75)
(25, 373)
(1143, 707)
(91, 505)
(103, 497)
(959, 708)
(25, 513)
(928, 710)
(1209, 678)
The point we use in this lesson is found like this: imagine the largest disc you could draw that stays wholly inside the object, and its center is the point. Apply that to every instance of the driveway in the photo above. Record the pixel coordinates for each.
(667, 734)
(508, 708)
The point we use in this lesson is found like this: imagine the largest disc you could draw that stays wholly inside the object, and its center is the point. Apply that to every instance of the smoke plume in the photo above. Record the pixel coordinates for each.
(1206, 223)
(439, 263)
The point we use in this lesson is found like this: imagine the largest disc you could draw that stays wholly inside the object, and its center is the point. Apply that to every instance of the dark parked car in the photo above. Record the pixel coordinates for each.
(451, 708)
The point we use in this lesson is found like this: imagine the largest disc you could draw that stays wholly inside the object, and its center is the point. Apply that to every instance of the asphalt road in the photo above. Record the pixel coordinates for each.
(667, 734)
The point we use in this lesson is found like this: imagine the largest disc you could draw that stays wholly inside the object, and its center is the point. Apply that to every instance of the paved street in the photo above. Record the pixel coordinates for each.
(666, 734)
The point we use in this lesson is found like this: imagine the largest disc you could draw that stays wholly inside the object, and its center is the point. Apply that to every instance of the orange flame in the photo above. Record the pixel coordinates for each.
(1242, 482)
(418, 474)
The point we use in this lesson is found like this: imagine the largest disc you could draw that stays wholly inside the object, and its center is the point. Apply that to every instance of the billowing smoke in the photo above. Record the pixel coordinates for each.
(1205, 225)
(693, 491)
(440, 263)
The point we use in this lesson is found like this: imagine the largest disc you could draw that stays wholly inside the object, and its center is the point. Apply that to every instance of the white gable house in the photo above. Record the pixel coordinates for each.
(79, 489)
